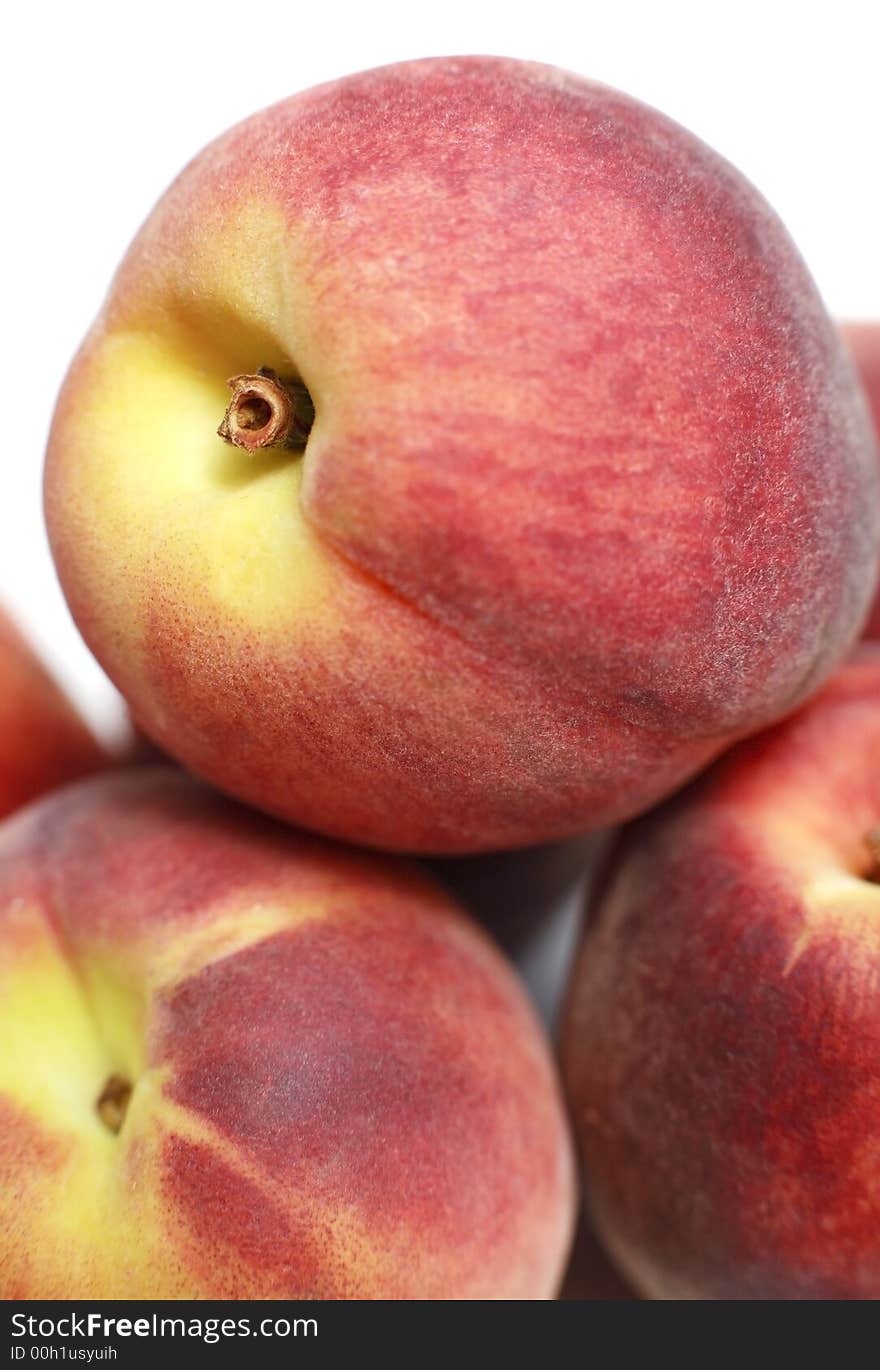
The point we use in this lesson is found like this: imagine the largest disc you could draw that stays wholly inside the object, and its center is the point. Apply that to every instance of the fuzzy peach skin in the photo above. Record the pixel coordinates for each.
(339, 1087)
(722, 1038)
(863, 341)
(589, 494)
(43, 741)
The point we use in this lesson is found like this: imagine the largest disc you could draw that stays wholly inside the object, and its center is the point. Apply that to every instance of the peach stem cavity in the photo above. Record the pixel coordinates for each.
(112, 1103)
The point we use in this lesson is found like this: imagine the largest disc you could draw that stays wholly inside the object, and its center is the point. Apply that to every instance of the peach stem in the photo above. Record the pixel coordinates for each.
(872, 842)
(266, 411)
(112, 1102)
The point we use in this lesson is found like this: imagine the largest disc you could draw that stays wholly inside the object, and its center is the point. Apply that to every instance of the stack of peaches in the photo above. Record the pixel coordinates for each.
(463, 460)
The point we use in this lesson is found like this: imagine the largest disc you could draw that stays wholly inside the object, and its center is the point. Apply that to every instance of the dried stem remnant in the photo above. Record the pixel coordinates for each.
(872, 841)
(112, 1102)
(267, 411)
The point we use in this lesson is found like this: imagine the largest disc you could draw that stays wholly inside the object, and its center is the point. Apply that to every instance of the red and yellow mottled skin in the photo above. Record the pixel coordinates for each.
(43, 741)
(589, 494)
(863, 340)
(340, 1090)
(722, 1043)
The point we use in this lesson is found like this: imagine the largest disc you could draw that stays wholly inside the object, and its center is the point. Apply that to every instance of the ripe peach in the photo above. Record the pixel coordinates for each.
(863, 340)
(43, 741)
(722, 1042)
(543, 479)
(239, 1062)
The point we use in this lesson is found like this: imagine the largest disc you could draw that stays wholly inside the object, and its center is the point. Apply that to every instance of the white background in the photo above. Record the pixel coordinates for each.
(102, 105)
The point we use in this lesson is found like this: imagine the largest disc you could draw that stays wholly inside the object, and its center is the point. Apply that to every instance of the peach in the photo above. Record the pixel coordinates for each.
(544, 475)
(863, 340)
(238, 1062)
(43, 741)
(722, 1038)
